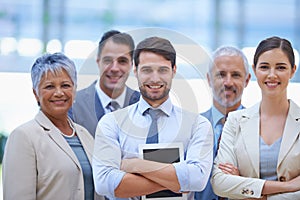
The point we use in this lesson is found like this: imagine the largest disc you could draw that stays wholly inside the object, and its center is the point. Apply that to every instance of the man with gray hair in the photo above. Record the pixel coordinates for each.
(228, 75)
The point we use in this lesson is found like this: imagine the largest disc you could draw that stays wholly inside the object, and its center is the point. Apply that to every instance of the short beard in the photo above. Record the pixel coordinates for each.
(227, 104)
(146, 96)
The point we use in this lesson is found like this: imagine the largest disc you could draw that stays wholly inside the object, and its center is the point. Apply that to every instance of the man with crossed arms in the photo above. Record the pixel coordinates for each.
(117, 170)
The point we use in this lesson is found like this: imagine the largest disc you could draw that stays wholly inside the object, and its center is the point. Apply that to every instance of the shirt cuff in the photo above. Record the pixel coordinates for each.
(182, 175)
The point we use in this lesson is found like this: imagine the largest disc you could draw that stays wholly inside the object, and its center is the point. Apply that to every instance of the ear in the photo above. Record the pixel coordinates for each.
(36, 96)
(174, 70)
(208, 79)
(254, 69)
(293, 71)
(248, 79)
(135, 71)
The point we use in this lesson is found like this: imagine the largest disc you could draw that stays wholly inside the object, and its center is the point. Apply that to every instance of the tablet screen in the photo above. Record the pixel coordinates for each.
(164, 153)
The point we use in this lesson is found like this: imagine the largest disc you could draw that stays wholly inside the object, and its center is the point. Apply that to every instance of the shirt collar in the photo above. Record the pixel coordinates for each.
(105, 100)
(166, 106)
(217, 115)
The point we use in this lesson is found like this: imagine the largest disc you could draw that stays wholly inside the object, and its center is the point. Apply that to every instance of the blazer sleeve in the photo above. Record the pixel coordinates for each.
(232, 186)
(19, 171)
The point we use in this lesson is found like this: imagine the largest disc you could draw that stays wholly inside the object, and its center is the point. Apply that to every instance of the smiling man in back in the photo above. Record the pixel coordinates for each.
(109, 92)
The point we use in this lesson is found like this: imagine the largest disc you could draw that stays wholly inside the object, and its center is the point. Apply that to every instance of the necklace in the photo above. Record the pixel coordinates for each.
(73, 130)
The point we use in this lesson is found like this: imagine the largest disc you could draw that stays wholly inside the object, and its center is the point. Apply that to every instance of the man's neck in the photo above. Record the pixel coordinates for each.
(113, 94)
(226, 110)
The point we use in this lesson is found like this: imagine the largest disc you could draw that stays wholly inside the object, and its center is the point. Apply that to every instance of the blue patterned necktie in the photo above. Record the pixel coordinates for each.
(221, 124)
(152, 137)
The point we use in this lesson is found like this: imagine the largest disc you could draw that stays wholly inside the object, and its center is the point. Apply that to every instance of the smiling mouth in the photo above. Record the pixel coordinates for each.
(154, 86)
(273, 84)
(58, 101)
(114, 77)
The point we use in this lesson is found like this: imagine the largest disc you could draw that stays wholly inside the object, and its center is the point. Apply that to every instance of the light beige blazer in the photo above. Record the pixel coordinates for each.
(240, 146)
(39, 164)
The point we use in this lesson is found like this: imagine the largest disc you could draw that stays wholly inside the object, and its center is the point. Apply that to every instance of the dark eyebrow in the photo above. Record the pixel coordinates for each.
(107, 57)
(145, 66)
(264, 63)
(122, 57)
(281, 64)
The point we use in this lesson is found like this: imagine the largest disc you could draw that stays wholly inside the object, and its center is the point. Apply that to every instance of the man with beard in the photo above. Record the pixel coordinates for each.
(118, 171)
(109, 92)
(228, 75)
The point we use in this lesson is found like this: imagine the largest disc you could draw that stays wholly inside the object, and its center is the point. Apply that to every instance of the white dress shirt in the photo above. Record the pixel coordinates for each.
(119, 133)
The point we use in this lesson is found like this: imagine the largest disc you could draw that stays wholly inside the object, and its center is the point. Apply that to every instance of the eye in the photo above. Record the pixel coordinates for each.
(107, 61)
(49, 87)
(146, 70)
(263, 67)
(281, 68)
(66, 85)
(236, 75)
(220, 74)
(163, 69)
(123, 61)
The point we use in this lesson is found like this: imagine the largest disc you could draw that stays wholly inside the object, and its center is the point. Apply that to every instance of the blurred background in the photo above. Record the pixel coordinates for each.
(32, 27)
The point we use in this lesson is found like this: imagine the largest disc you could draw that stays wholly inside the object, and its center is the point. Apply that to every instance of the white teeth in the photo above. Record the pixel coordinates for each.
(154, 86)
(272, 84)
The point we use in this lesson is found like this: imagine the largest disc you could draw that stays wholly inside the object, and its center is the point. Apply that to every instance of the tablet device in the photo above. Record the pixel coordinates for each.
(165, 153)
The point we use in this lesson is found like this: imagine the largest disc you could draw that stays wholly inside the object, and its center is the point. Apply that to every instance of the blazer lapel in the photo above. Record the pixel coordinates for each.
(249, 125)
(55, 135)
(131, 97)
(291, 131)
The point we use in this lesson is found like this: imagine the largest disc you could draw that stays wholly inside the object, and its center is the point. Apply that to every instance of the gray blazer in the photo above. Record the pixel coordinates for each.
(240, 146)
(87, 109)
(39, 164)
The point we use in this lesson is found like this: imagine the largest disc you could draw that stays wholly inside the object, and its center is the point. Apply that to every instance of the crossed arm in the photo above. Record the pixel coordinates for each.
(146, 177)
(273, 188)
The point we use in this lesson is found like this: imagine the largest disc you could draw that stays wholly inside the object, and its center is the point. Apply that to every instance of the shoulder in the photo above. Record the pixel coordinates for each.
(88, 90)
(118, 115)
(133, 94)
(191, 117)
(207, 114)
(242, 116)
(82, 130)
(26, 132)
(294, 108)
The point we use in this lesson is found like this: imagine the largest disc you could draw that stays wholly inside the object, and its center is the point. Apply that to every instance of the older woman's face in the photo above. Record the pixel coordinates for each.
(56, 93)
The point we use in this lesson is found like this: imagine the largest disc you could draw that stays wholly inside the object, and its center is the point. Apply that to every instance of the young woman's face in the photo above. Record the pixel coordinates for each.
(273, 72)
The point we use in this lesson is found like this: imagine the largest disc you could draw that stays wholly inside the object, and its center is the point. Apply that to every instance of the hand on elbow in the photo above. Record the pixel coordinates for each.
(228, 168)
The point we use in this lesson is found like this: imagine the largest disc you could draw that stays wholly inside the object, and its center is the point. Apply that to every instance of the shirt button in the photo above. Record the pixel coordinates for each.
(282, 179)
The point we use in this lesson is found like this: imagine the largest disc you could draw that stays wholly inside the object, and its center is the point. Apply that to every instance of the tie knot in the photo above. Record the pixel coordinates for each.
(154, 113)
(223, 120)
(113, 105)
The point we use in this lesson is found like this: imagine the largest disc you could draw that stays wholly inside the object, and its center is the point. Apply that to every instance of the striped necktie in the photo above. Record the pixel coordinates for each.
(113, 105)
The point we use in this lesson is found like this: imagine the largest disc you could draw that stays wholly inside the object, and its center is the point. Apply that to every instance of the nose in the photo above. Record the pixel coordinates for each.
(272, 72)
(114, 66)
(227, 80)
(59, 92)
(155, 76)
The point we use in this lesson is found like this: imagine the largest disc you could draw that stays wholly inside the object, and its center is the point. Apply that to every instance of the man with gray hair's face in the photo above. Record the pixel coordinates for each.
(228, 75)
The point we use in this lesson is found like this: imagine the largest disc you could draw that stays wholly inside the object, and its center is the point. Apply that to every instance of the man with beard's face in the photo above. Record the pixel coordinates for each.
(228, 75)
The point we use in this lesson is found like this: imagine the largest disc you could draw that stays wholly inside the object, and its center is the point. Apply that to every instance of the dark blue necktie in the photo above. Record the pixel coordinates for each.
(152, 137)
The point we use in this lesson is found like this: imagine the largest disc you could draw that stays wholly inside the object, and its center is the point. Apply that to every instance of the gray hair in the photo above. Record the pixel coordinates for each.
(228, 51)
(55, 63)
